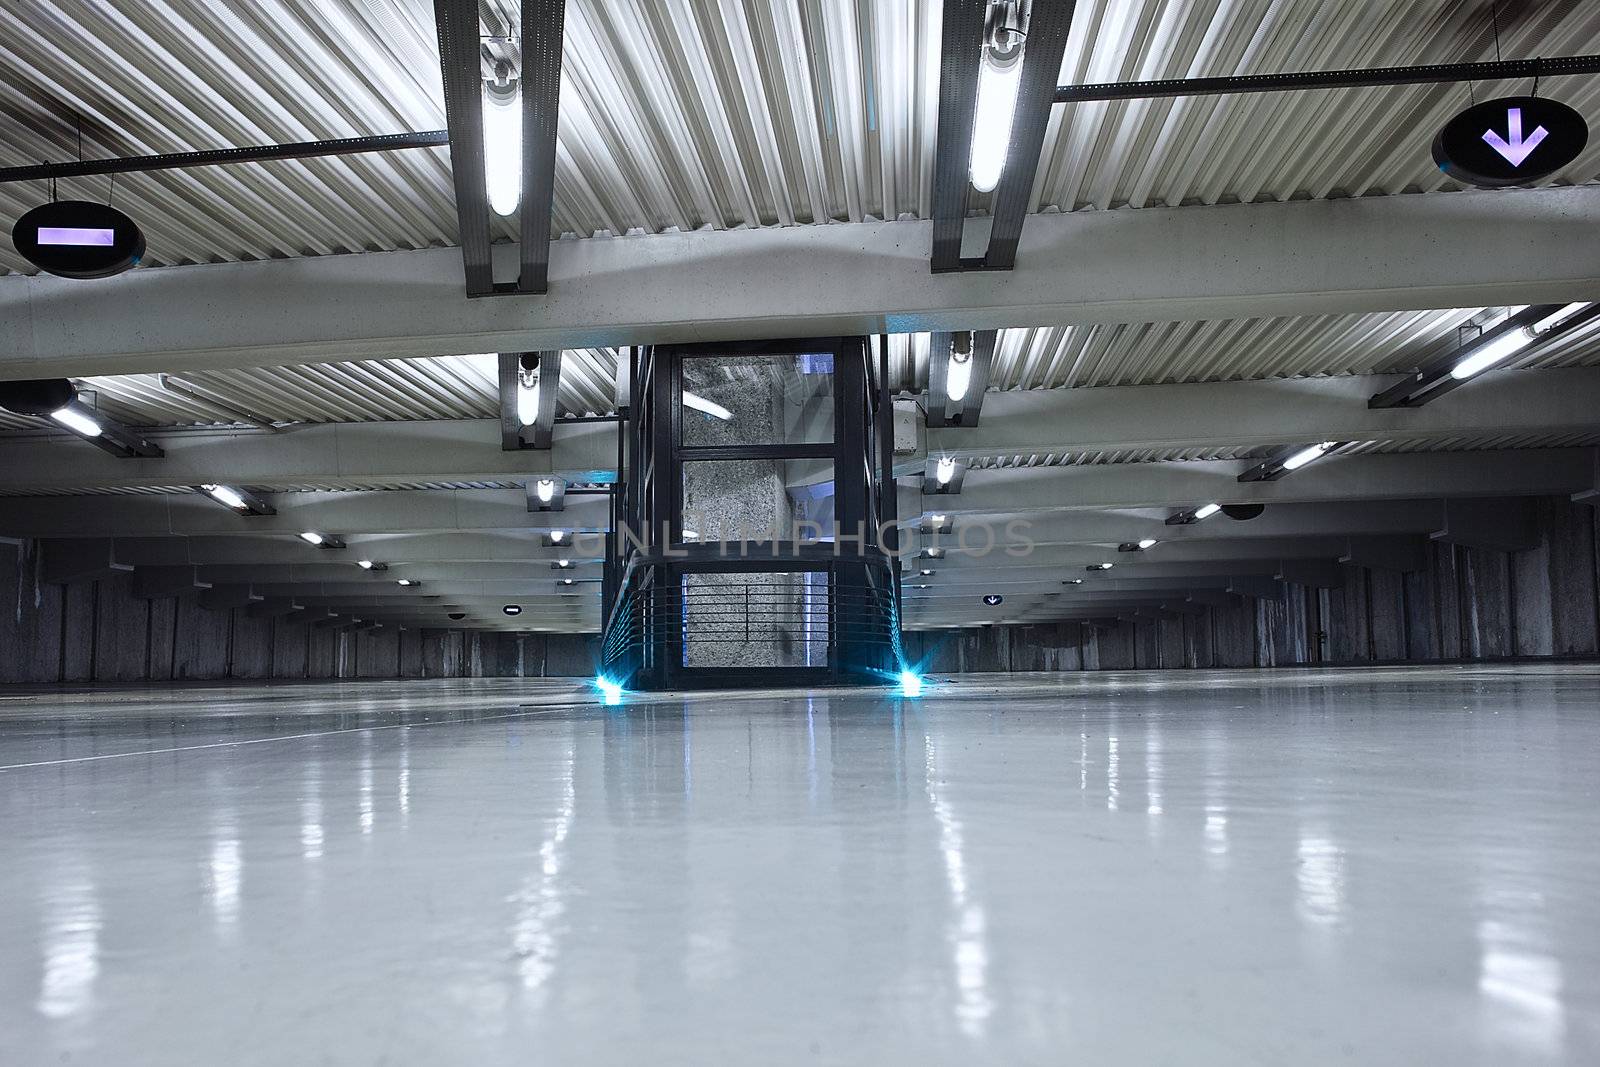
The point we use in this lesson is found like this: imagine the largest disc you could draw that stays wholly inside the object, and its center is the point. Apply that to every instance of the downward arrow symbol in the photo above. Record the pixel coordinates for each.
(1516, 150)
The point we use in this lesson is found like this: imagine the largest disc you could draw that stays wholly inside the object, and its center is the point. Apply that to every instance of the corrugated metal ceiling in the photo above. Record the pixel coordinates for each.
(694, 113)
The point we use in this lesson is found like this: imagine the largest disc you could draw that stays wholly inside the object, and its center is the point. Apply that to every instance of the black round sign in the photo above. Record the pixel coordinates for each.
(993, 600)
(1515, 140)
(78, 239)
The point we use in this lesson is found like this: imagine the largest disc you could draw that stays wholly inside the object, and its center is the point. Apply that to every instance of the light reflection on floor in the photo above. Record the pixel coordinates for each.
(1355, 867)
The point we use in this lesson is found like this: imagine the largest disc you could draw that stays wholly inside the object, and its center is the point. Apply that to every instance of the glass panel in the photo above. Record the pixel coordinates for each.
(755, 619)
(758, 400)
(758, 499)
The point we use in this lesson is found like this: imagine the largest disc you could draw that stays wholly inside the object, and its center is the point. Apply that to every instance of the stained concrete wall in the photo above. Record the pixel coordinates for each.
(100, 632)
(1466, 604)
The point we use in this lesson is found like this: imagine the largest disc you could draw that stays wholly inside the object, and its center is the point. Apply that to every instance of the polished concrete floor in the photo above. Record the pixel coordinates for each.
(1373, 867)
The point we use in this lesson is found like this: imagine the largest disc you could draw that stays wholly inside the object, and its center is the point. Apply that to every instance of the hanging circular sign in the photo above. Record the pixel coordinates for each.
(1516, 140)
(993, 600)
(78, 239)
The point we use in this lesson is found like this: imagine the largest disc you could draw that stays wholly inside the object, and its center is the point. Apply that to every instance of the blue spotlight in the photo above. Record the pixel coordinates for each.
(910, 684)
(610, 692)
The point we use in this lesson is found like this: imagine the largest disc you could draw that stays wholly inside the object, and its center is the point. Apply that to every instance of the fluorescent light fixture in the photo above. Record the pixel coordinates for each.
(1099, 566)
(77, 237)
(991, 123)
(502, 145)
(1146, 542)
(224, 495)
(527, 397)
(311, 537)
(945, 470)
(937, 519)
(710, 407)
(512, 609)
(959, 371)
(1555, 317)
(546, 488)
(1207, 511)
(610, 692)
(77, 421)
(563, 563)
(405, 582)
(925, 573)
(910, 684)
(691, 535)
(566, 581)
(558, 536)
(1073, 581)
(364, 564)
(1306, 455)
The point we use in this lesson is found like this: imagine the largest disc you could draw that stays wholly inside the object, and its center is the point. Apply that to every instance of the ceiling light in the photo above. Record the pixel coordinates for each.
(945, 470)
(364, 564)
(1099, 566)
(1509, 344)
(512, 609)
(546, 488)
(558, 536)
(224, 495)
(937, 520)
(311, 537)
(77, 421)
(925, 573)
(527, 396)
(405, 582)
(566, 581)
(1146, 542)
(1207, 511)
(1073, 581)
(563, 563)
(958, 374)
(710, 407)
(691, 535)
(1306, 455)
(999, 72)
(502, 142)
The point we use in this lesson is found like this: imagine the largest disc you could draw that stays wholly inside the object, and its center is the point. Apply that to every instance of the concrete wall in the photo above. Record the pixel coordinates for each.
(100, 632)
(1467, 604)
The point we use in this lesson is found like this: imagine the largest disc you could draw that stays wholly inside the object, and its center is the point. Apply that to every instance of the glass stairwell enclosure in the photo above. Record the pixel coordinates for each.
(753, 536)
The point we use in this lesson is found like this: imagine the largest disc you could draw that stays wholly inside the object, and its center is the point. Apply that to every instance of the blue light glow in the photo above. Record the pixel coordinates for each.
(610, 692)
(910, 684)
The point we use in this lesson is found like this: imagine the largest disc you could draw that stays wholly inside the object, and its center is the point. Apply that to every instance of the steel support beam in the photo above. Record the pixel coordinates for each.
(543, 23)
(1049, 23)
(460, 65)
(338, 146)
(397, 550)
(960, 53)
(1158, 264)
(1416, 74)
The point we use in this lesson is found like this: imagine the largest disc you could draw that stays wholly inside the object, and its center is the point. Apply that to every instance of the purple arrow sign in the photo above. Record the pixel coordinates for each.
(1516, 150)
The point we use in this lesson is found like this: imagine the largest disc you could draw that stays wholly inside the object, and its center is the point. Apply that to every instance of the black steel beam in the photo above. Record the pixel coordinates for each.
(342, 146)
(461, 66)
(961, 48)
(1048, 26)
(1428, 74)
(542, 27)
